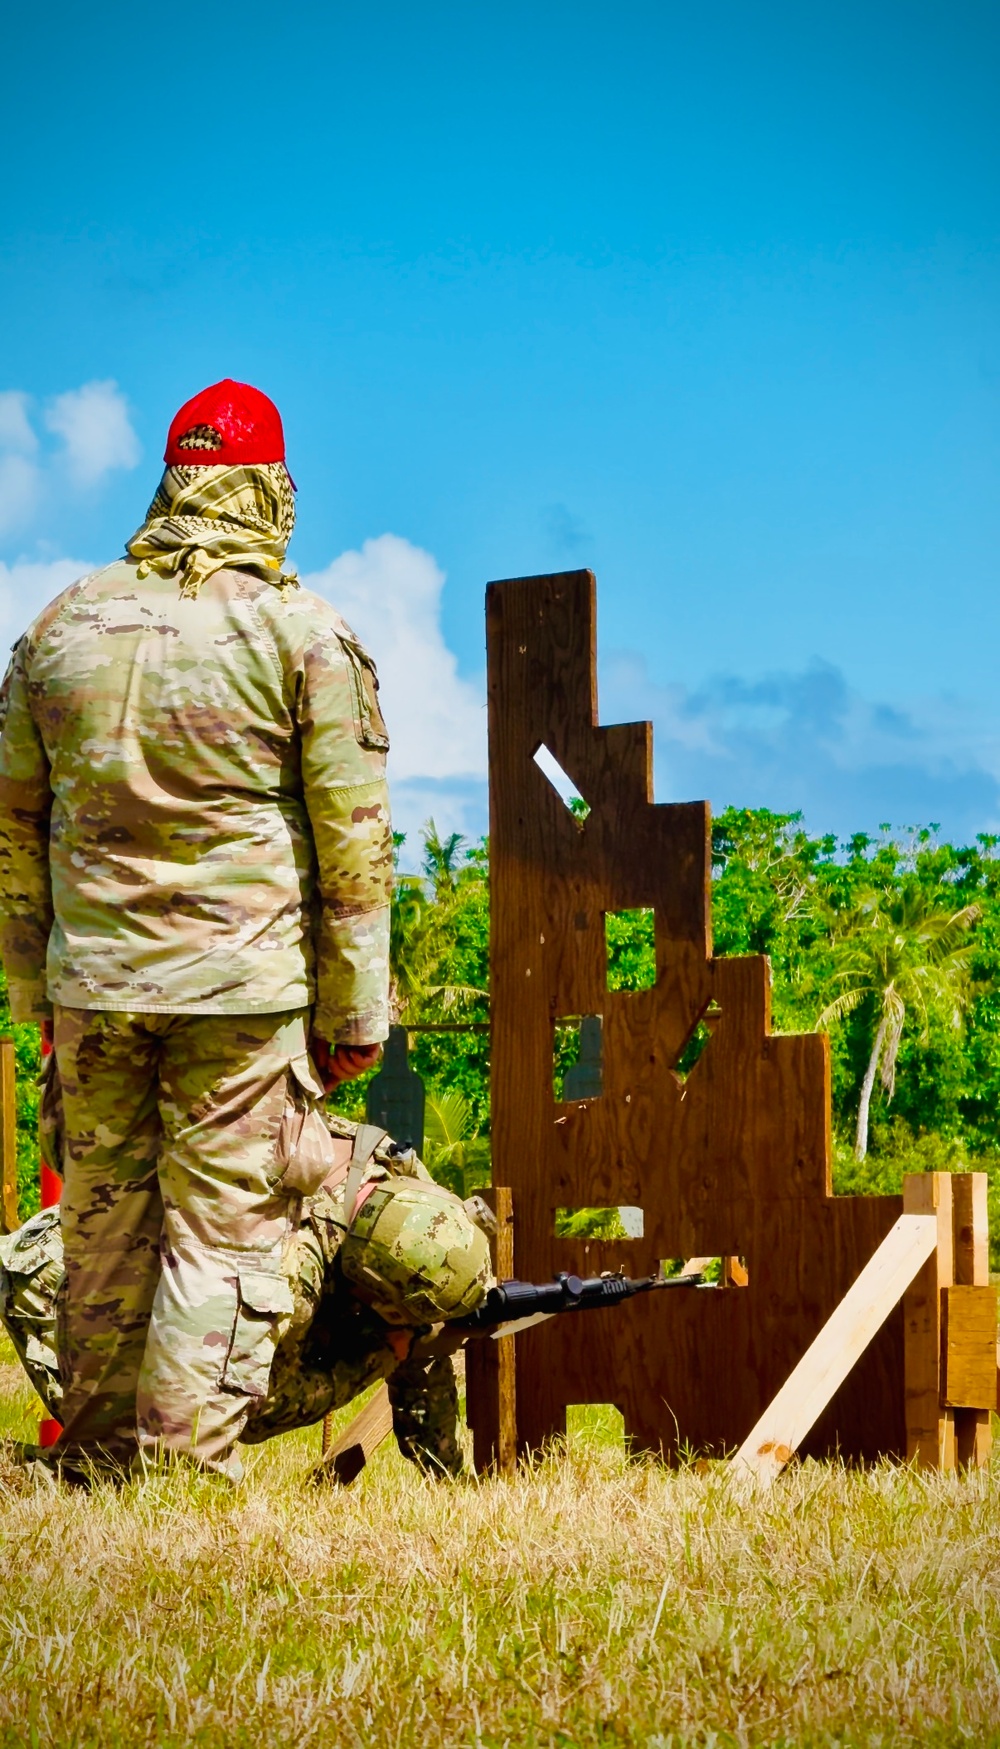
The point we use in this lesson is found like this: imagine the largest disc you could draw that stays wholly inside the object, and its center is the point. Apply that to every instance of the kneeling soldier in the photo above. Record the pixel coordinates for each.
(380, 1255)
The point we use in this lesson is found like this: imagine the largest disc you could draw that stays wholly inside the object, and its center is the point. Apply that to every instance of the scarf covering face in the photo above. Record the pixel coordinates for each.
(208, 519)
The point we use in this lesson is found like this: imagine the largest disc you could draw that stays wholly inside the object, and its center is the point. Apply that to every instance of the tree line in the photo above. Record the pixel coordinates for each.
(891, 945)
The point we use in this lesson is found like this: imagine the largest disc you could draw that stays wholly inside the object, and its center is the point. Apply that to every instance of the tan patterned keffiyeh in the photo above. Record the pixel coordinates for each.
(207, 519)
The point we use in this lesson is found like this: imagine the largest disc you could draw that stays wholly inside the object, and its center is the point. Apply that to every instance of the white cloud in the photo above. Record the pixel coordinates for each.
(28, 585)
(390, 594)
(19, 475)
(15, 427)
(809, 741)
(94, 425)
(19, 481)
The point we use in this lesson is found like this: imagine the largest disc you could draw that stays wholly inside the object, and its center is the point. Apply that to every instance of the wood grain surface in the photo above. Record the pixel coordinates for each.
(489, 1364)
(733, 1161)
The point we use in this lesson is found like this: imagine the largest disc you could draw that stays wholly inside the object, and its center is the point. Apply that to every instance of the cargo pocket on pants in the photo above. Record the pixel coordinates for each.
(51, 1123)
(262, 1298)
(304, 1152)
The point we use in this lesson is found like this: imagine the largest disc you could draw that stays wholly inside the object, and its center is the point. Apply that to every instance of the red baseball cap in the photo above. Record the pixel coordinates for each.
(247, 422)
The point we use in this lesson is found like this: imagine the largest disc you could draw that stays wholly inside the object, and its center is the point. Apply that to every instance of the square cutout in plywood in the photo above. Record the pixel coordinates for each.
(578, 1057)
(630, 945)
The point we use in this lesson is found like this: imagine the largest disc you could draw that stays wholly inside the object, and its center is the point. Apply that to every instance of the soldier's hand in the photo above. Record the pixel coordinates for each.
(341, 1062)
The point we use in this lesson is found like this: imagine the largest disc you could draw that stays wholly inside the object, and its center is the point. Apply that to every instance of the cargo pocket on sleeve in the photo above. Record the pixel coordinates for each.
(304, 1152)
(369, 723)
(262, 1298)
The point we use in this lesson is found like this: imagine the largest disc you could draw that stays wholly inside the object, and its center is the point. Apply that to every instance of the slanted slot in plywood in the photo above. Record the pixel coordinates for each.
(839, 1345)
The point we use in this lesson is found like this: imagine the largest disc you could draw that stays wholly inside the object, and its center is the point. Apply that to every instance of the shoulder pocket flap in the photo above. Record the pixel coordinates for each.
(268, 1294)
(369, 721)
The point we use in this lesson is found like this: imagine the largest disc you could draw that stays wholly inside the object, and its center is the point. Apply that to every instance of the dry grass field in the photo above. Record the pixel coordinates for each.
(593, 1601)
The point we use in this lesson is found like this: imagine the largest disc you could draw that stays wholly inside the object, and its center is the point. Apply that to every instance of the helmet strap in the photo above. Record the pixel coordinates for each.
(366, 1140)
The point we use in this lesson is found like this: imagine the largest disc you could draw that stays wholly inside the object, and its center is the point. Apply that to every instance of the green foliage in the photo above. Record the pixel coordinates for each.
(28, 1058)
(806, 902)
(631, 950)
(589, 1224)
(453, 1151)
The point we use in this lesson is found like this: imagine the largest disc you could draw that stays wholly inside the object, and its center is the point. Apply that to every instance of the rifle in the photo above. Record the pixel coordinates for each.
(516, 1305)
(509, 1306)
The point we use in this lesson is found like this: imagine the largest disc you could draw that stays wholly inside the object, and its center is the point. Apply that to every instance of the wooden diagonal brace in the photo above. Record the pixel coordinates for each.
(839, 1345)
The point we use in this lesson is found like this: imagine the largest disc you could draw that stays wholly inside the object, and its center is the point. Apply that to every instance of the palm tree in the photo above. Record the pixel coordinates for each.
(903, 956)
(423, 907)
(442, 858)
(409, 927)
(456, 1154)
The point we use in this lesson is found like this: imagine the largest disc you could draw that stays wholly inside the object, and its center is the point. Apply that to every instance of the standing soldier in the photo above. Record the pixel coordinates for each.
(195, 871)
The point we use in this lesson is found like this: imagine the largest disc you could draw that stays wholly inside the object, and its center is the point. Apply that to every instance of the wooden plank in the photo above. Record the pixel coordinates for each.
(971, 1228)
(490, 1365)
(733, 1159)
(503, 1208)
(839, 1345)
(8, 1136)
(734, 1273)
(349, 1454)
(973, 1426)
(930, 1427)
(969, 1324)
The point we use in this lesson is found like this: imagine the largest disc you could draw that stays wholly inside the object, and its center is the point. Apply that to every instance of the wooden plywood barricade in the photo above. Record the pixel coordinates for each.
(732, 1161)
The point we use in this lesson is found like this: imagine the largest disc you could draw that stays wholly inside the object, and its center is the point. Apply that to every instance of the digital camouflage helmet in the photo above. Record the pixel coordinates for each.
(415, 1254)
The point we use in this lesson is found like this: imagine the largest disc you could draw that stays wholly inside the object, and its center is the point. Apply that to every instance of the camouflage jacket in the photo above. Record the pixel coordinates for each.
(193, 808)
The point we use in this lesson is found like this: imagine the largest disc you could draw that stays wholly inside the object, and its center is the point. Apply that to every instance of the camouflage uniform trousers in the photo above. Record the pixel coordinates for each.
(180, 1140)
(333, 1348)
(303, 1385)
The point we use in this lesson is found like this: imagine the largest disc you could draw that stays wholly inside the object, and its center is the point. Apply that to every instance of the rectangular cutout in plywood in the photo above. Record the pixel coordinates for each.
(594, 1424)
(578, 1058)
(623, 1222)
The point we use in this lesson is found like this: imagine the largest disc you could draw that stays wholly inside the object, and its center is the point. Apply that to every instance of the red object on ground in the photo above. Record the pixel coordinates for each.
(49, 1430)
(248, 423)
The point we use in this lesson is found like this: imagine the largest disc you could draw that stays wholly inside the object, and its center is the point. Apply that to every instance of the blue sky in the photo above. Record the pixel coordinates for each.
(704, 298)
